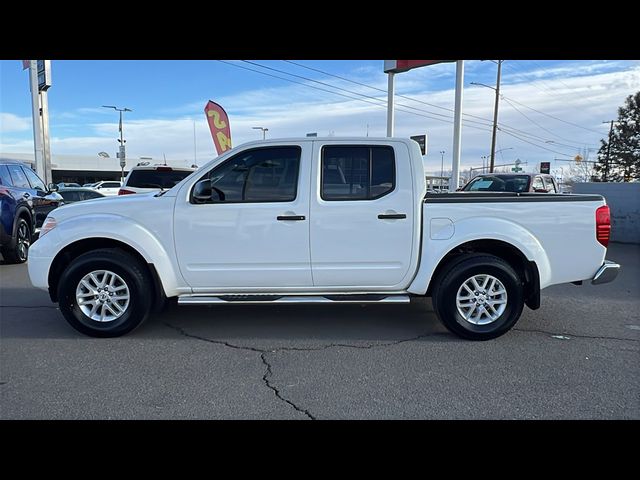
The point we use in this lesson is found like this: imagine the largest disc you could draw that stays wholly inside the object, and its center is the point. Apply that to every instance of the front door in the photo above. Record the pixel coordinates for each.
(362, 216)
(254, 233)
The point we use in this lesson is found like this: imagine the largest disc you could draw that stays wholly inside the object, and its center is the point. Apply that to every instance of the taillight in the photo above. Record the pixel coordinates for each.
(124, 191)
(164, 169)
(603, 225)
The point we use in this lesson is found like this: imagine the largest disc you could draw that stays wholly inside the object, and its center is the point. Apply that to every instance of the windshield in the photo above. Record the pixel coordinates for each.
(501, 183)
(156, 178)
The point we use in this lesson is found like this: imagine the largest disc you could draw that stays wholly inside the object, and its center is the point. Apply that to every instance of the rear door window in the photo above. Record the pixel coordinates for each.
(353, 172)
(156, 178)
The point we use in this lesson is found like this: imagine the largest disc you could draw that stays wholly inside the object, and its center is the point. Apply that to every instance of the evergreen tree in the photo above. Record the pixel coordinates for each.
(619, 155)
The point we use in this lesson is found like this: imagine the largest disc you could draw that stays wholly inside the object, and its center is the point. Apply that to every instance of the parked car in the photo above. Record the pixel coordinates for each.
(67, 185)
(107, 187)
(319, 220)
(89, 184)
(79, 194)
(513, 182)
(153, 178)
(25, 202)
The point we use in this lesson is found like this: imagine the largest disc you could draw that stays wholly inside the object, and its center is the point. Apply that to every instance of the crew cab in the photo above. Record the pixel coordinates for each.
(318, 220)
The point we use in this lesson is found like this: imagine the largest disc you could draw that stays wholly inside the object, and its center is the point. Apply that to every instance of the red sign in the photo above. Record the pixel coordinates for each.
(219, 126)
(397, 66)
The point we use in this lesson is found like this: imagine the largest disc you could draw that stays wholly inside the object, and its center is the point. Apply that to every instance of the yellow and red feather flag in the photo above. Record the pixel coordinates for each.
(219, 126)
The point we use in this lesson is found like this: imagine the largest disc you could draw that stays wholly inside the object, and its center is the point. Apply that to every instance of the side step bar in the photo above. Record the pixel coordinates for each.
(292, 299)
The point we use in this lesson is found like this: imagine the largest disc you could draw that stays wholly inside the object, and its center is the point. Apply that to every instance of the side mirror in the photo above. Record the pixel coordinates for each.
(202, 191)
(52, 187)
(54, 197)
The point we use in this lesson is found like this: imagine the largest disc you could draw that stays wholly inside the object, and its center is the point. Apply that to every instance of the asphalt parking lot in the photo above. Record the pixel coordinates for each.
(577, 357)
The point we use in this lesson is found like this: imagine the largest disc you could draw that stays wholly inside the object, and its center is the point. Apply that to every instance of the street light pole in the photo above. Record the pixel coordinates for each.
(122, 152)
(442, 165)
(264, 131)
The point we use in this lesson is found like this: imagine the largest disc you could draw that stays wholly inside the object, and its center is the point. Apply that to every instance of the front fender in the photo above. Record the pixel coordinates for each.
(115, 227)
(478, 228)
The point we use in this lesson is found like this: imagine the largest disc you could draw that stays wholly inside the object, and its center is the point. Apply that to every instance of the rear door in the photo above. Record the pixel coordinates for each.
(362, 215)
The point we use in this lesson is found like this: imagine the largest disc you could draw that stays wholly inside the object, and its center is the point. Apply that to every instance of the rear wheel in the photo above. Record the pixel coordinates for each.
(18, 250)
(479, 297)
(105, 293)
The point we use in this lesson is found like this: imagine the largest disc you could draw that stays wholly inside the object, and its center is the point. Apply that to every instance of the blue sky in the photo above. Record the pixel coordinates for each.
(168, 98)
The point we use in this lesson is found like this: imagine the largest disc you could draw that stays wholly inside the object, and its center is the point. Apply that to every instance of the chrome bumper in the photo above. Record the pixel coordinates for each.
(606, 273)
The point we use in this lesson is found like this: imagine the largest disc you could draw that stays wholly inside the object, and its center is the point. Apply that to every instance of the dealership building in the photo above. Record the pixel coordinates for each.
(88, 168)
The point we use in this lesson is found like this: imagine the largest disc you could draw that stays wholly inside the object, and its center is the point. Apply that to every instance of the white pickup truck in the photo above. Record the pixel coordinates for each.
(318, 220)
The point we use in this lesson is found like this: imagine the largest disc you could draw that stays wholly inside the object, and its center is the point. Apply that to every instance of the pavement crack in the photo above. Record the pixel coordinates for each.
(596, 337)
(265, 379)
(269, 369)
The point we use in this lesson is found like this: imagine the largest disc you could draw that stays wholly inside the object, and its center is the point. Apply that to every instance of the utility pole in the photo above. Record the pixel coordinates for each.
(605, 177)
(495, 118)
(442, 165)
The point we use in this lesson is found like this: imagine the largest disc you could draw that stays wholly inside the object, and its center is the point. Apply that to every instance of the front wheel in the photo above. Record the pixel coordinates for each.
(105, 293)
(479, 297)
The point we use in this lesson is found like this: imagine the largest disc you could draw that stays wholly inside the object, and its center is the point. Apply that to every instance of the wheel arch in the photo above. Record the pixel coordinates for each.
(527, 270)
(77, 248)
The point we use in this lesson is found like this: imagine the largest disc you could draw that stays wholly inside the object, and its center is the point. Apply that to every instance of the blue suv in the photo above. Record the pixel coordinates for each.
(25, 202)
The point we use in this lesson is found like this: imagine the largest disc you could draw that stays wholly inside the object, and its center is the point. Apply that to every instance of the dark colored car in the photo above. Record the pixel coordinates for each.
(25, 202)
(68, 185)
(513, 182)
(78, 194)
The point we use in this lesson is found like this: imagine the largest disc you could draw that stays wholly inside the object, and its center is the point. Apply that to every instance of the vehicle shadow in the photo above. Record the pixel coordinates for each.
(23, 315)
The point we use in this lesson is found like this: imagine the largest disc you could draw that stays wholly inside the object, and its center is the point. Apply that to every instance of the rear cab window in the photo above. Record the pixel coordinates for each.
(156, 178)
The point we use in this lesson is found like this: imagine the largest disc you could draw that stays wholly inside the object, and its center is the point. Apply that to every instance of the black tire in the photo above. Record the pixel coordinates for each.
(18, 250)
(134, 274)
(456, 274)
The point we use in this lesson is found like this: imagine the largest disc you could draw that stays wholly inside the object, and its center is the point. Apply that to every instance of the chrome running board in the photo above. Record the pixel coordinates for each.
(251, 299)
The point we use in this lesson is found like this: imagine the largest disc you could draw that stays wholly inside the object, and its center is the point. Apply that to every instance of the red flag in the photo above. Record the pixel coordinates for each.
(26, 64)
(219, 126)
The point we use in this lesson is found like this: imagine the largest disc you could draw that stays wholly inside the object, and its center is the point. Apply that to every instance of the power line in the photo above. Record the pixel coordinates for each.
(535, 145)
(488, 121)
(331, 91)
(551, 116)
(342, 89)
(384, 91)
(540, 126)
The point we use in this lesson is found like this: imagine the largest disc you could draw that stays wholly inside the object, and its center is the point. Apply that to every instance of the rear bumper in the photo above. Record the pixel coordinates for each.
(606, 273)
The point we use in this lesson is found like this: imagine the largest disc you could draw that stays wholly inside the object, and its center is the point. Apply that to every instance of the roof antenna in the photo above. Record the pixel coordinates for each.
(165, 158)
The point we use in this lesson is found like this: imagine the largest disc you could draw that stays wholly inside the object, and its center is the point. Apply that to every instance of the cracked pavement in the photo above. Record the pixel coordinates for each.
(575, 358)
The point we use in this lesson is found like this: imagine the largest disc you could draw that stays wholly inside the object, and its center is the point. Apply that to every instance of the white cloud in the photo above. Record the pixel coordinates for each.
(591, 95)
(13, 123)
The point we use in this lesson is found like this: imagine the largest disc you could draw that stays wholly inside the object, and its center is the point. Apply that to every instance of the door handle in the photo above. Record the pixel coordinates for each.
(290, 217)
(392, 216)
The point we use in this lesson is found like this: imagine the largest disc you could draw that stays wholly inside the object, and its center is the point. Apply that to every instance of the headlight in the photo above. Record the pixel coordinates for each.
(48, 225)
